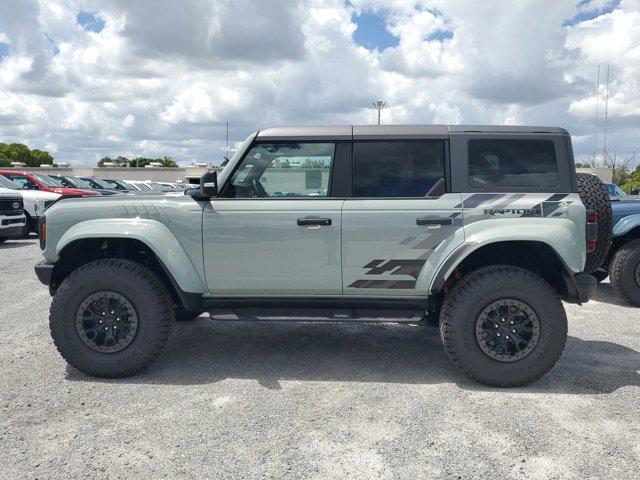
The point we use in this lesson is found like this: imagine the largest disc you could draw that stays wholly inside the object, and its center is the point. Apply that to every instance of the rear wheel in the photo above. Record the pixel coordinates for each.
(503, 326)
(595, 196)
(111, 318)
(624, 272)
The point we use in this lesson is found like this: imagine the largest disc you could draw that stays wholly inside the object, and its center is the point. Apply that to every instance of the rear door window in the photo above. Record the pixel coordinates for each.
(512, 163)
(397, 169)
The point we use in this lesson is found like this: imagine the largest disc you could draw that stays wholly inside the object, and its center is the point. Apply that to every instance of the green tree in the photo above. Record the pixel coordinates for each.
(18, 152)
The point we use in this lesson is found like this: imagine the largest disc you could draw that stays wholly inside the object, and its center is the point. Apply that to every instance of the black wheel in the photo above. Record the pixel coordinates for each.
(503, 326)
(26, 229)
(600, 274)
(111, 318)
(183, 315)
(595, 196)
(624, 272)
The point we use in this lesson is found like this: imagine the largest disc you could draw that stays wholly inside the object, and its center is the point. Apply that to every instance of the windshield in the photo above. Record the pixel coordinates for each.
(48, 181)
(6, 183)
(95, 182)
(142, 186)
(75, 182)
(614, 190)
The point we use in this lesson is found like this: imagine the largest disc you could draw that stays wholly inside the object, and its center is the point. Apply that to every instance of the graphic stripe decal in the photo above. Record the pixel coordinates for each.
(478, 199)
(394, 284)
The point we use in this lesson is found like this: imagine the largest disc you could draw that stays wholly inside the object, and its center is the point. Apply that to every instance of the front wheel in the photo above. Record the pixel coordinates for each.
(503, 326)
(624, 272)
(111, 318)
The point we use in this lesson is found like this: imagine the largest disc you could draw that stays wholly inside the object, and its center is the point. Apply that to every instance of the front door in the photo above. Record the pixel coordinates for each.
(400, 223)
(276, 229)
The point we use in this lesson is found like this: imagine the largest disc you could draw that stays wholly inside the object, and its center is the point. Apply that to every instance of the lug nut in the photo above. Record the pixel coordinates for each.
(507, 337)
(503, 319)
(498, 334)
(513, 331)
(99, 321)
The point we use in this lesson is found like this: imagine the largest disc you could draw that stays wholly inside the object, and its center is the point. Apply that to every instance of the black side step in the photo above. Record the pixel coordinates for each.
(317, 309)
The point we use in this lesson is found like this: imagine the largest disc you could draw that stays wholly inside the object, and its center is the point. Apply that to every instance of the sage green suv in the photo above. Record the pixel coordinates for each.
(480, 229)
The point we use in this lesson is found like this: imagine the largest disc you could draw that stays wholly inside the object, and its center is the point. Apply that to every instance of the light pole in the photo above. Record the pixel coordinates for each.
(379, 105)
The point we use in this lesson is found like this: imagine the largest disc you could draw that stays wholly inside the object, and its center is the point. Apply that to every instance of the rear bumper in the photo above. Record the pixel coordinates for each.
(585, 286)
(44, 271)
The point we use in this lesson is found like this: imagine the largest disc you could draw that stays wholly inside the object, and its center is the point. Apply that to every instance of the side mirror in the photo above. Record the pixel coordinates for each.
(208, 187)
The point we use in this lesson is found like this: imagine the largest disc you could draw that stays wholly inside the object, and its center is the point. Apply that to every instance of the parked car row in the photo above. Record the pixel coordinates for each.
(35, 192)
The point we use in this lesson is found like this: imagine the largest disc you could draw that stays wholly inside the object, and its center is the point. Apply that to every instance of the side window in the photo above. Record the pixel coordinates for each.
(396, 169)
(283, 170)
(512, 163)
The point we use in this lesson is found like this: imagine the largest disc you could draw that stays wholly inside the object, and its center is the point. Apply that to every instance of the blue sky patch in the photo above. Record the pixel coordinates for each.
(372, 32)
(4, 50)
(90, 22)
(440, 35)
(591, 14)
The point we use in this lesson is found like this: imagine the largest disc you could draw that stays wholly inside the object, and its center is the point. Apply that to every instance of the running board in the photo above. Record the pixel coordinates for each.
(315, 314)
(317, 309)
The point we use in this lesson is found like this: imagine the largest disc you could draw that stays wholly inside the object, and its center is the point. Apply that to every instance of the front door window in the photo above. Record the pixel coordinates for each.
(272, 170)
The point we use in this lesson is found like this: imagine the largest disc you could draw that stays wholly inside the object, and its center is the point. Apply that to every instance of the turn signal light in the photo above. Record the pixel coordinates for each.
(592, 217)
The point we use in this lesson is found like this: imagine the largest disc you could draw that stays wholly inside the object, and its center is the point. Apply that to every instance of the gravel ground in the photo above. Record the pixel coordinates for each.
(301, 400)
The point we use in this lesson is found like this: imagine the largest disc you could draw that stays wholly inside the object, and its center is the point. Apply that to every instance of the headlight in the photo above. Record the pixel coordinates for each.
(39, 208)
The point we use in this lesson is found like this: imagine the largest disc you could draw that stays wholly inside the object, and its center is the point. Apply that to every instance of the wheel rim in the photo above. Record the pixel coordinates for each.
(507, 330)
(638, 274)
(106, 322)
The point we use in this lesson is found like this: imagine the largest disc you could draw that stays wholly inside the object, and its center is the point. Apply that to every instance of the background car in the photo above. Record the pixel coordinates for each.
(46, 183)
(35, 201)
(70, 181)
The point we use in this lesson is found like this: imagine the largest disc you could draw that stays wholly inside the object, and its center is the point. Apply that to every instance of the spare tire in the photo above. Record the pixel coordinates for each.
(595, 196)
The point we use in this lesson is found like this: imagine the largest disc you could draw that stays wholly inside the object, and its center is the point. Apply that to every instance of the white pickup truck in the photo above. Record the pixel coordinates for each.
(12, 219)
(34, 203)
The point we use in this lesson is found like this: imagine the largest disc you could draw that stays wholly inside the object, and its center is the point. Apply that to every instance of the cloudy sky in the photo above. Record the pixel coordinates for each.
(87, 79)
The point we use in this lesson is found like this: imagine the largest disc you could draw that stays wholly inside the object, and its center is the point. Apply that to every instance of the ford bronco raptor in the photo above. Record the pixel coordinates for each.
(480, 227)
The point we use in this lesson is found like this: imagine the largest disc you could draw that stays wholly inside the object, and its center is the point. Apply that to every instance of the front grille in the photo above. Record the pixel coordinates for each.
(11, 206)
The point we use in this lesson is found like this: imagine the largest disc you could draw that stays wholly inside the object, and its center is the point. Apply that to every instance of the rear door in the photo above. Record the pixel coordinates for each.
(400, 222)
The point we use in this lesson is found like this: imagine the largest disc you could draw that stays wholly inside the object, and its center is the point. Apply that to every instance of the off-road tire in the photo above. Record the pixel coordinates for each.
(622, 272)
(472, 294)
(183, 315)
(141, 287)
(595, 196)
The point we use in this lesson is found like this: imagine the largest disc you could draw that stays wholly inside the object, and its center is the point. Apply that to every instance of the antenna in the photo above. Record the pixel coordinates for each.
(226, 148)
(606, 113)
(379, 105)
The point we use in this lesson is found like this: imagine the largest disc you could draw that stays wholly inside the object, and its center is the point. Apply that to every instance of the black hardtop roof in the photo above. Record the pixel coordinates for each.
(364, 132)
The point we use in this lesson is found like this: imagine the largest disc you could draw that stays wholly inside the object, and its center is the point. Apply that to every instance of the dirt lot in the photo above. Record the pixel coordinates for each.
(300, 400)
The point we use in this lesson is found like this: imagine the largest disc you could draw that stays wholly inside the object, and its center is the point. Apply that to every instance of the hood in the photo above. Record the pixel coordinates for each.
(38, 194)
(7, 192)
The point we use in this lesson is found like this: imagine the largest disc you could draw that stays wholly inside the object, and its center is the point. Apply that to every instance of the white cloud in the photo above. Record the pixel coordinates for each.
(163, 77)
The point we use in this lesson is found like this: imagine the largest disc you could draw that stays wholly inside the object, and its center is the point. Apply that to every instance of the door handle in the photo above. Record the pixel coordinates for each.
(434, 221)
(318, 222)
